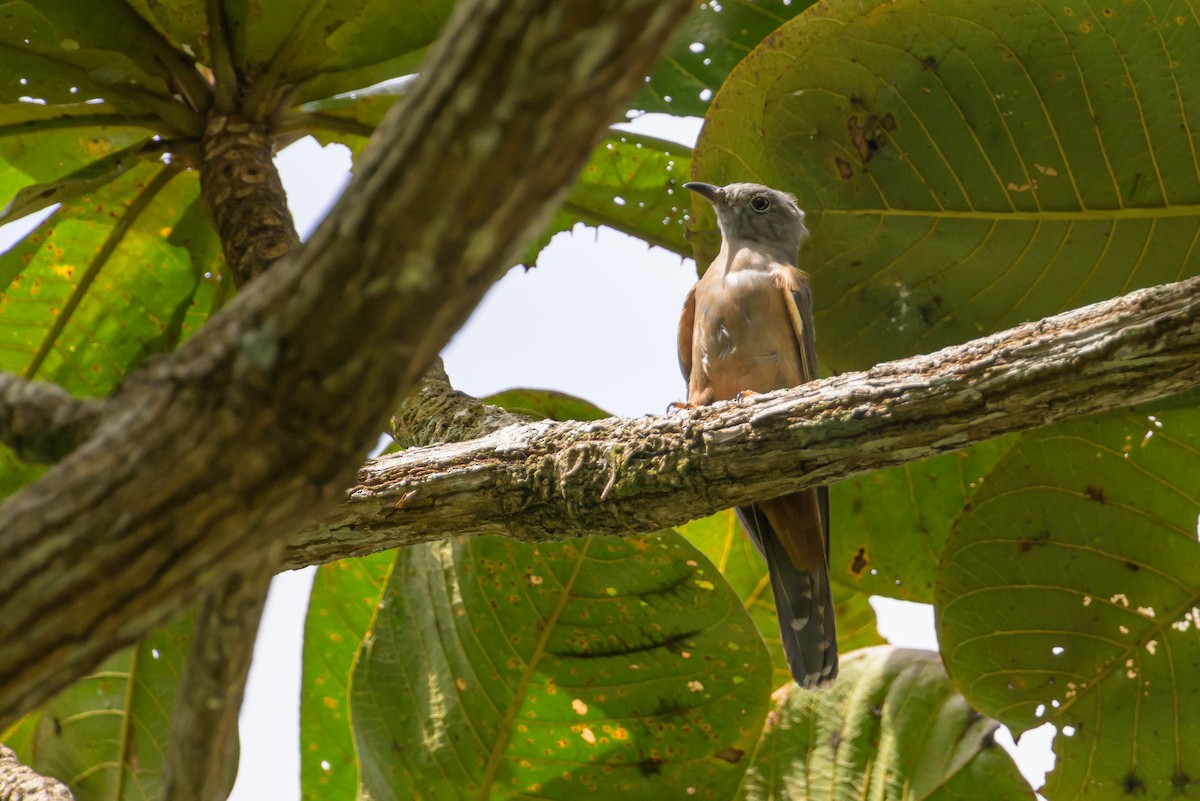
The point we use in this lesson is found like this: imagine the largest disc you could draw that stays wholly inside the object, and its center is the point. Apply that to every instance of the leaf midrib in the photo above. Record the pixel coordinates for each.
(1128, 213)
(518, 695)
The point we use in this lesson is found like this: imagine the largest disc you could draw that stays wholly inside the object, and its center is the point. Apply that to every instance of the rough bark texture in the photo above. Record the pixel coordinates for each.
(618, 476)
(261, 419)
(244, 197)
(437, 412)
(19, 783)
(201, 758)
(42, 422)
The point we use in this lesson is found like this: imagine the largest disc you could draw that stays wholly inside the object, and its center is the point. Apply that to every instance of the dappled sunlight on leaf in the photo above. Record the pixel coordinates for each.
(621, 667)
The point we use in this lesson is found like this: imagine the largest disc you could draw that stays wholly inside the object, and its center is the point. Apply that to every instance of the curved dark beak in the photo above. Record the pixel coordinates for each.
(713, 194)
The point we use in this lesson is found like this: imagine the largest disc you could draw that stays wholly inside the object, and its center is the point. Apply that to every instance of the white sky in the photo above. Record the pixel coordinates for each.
(597, 318)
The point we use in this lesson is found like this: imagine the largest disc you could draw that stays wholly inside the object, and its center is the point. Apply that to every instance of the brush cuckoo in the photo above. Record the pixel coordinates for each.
(747, 327)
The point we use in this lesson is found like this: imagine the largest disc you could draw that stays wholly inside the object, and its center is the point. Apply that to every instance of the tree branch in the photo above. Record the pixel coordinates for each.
(42, 422)
(618, 476)
(437, 412)
(260, 420)
(244, 196)
(20, 783)
(201, 758)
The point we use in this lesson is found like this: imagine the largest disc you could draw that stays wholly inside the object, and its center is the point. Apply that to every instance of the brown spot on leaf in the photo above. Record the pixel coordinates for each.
(867, 137)
(929, 63)
(730, 755)
(1133, 785)
(1040, 538)
(651, 766)
(1096, 493)
(859, 563)
(844, 169)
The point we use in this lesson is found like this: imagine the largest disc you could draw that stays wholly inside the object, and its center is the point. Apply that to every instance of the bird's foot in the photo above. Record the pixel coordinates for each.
(744, 395)
(679, 406)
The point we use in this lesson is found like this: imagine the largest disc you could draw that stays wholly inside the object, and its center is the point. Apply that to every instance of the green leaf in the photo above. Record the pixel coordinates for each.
(180, 21)
(343, 601)
(38, 61)
(720, 538)
(709, 43)
(967, 167)
(334, 46)
(631, 184)
(104, 736)
(891, 728)
(87, 178)
(350, 118)
(103, 25)
(40, 144)
(100, 285)
(15, 473)
(546, 404)
(890, 526)
(1068, 594)
(615, 668)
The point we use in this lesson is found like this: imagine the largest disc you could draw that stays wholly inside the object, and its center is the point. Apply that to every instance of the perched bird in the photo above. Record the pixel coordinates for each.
(747, 327)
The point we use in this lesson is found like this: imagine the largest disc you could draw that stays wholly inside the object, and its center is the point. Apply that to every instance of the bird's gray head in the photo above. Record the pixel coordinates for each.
(756, 213)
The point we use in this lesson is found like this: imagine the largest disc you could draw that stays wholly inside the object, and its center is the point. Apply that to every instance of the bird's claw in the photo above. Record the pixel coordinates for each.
(679, 406)
(744, 395)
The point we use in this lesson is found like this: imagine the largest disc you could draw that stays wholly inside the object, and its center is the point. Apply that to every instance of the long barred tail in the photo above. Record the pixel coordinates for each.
(803, 601)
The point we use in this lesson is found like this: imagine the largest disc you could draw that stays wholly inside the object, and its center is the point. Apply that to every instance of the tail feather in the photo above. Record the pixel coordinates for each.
(803, 602)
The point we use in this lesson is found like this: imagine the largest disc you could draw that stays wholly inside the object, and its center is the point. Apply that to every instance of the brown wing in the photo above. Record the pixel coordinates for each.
(799, 305)
(687, 324)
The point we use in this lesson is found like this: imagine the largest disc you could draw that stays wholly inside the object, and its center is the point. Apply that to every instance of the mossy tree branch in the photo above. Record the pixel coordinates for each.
(616, 476)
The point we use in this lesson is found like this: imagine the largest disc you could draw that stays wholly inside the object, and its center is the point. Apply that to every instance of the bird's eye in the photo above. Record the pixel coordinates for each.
(760, 203)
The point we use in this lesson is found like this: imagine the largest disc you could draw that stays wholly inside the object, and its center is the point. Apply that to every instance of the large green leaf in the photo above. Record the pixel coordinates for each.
(617, 668)
(48, 65)
(1069, 595)
(721, 539)
(711, 40)
(890, 526)
(632, 184)
(103, 282)
(104, 736)
(343, 601)
(111, 25)
(88, 178)
(966, 167)
(892, 728)
(39, 144)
